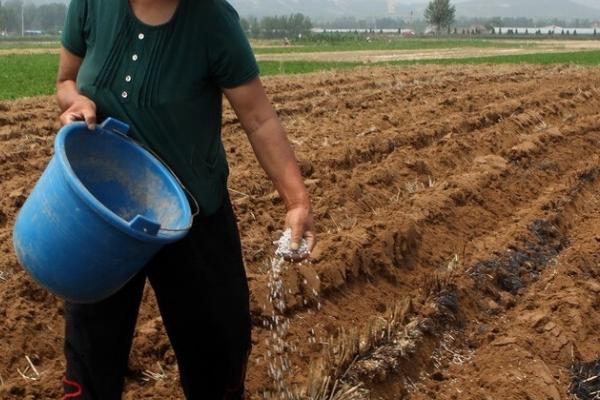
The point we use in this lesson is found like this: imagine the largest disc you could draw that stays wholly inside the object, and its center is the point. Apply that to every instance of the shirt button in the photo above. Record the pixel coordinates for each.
(134, 57)
(128, 78)
(124, 95)
(141, 36)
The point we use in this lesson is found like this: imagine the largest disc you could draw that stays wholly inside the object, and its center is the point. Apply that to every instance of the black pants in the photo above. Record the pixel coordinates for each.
(202, 293)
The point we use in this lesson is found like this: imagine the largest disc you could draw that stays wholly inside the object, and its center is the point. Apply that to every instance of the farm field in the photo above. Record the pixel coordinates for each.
(395, 48)
(421, 49)
(458, 215)
(28, 68)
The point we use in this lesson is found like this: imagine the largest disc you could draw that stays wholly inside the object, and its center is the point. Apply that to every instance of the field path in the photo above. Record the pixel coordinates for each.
(368, 56)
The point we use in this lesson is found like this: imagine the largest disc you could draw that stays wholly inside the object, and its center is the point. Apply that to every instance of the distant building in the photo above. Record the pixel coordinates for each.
(545, 30)
(32, 33)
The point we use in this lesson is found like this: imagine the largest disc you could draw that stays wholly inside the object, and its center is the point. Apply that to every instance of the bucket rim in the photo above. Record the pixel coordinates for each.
(163, 236)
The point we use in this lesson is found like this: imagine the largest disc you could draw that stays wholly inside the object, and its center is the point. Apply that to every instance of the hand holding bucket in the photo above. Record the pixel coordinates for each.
(101, 210)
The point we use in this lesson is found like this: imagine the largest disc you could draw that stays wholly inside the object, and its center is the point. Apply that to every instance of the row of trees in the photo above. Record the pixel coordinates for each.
(364, 23)
(16, 17)
(562, 32)
(439, 13)
(442, 15)
(509, 31)
(530, 22)
(277, 27)
(460, 23)
(49, 18)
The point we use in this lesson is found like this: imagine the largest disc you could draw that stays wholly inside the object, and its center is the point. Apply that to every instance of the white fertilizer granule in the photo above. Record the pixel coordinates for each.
(283, 247)
(279, 364)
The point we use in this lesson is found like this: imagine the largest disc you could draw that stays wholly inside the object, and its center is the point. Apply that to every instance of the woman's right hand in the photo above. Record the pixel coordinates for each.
(82, 109)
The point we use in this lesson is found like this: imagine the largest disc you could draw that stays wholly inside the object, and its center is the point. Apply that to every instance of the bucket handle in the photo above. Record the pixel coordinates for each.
(150, 227)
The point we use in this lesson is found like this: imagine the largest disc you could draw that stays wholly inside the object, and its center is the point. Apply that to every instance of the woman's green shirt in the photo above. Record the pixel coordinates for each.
(165, 81)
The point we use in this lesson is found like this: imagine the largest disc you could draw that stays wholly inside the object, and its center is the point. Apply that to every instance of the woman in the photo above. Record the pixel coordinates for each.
(162, 67)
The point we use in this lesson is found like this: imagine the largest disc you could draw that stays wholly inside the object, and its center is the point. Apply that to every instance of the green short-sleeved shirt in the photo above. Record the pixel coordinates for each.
(165, 81)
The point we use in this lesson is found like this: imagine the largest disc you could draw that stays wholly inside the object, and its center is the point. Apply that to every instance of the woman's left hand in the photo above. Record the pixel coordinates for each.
(275, 154)
(300, 220)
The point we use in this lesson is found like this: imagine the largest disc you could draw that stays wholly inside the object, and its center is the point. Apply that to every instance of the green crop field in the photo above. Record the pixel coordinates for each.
(301, 67)
(27, 75)
(579, 58)
(23, 75)
(29, 42)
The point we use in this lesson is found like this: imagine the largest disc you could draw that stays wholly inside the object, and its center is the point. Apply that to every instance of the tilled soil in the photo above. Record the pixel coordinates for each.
(458, 216)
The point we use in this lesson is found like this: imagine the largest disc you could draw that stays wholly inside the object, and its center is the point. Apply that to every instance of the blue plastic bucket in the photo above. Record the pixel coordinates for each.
(102, 209)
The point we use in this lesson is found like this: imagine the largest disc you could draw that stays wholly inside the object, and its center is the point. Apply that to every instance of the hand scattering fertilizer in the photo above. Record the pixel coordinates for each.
(279, 364)
(284, 249)
(102, 209)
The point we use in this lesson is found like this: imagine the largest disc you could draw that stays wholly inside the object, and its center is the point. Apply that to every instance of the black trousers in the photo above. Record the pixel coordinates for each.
(202, 293)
